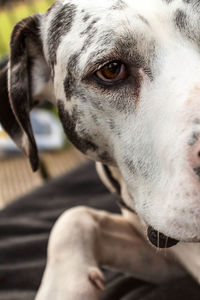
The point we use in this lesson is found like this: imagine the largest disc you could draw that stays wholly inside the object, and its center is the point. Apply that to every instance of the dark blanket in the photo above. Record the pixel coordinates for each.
(24, 231)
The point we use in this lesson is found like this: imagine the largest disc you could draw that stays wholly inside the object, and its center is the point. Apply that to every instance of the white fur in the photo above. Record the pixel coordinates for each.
(153, 134)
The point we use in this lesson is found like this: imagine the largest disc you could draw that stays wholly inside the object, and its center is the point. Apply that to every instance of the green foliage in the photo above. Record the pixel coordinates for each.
(12, 14)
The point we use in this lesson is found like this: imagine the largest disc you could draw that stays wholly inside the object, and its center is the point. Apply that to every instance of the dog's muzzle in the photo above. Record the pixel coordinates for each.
(160, 240)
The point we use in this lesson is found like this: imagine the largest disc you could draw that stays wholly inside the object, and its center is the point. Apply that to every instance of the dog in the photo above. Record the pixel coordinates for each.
(125, 77)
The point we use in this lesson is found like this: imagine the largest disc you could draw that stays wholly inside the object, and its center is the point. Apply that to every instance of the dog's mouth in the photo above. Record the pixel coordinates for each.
(160, 240)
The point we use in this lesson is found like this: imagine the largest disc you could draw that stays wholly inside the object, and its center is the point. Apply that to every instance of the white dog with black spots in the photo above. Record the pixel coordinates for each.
(125, 77)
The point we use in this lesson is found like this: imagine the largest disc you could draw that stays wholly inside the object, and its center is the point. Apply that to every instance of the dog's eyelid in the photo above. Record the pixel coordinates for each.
(95, 67)
(106, 63)
(98, 60)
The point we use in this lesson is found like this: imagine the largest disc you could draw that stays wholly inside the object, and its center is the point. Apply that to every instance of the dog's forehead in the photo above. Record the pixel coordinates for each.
(79, 27)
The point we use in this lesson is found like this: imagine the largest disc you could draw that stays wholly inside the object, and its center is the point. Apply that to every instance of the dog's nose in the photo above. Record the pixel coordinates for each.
(194, 157)
(160, 240)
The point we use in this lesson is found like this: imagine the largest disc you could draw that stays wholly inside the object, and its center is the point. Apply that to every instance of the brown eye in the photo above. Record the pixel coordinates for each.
(113, 72)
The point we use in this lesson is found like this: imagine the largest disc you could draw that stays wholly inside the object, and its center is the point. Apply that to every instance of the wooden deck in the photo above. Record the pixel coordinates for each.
(17, 178)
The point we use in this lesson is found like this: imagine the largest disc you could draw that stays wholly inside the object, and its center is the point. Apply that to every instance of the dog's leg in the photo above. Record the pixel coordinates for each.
(84, 239)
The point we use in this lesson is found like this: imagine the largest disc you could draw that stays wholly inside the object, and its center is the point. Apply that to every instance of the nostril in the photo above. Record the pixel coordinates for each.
(194, 158)
(197, 171)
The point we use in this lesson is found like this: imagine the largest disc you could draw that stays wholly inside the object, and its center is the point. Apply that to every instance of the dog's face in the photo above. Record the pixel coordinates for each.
(125, 76)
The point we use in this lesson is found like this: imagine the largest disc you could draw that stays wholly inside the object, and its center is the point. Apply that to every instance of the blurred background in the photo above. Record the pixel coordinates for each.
(57, 155)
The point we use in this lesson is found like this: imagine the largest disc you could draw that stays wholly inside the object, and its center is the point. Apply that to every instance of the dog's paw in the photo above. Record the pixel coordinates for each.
(97, 278)
(76, 284)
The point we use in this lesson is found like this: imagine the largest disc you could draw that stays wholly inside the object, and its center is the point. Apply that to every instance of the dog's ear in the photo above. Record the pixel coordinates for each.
(23, 83)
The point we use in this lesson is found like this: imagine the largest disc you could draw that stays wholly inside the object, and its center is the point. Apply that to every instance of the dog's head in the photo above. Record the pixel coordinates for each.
(125, 76)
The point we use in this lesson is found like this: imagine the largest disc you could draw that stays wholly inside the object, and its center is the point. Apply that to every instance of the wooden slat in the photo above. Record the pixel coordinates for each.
(17, 179)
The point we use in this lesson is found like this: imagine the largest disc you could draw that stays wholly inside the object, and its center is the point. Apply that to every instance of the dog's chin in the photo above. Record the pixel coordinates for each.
(160, 240)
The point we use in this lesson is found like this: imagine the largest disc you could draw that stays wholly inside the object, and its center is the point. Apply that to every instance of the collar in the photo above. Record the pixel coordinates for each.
(117, 187)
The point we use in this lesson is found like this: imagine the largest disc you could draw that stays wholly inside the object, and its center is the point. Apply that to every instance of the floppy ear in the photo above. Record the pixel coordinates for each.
(24, 83)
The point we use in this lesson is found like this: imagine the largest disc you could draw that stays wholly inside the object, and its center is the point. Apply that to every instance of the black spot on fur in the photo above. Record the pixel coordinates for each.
(142, 169)
(144, 20)
(73, 62)
(89, 27)
(69, 82)
(86, 17)
(197, 171)
(112, 124)
(188, 24)
(105, 38)
(95, 119)
(98, 105)
(130, 165)
(180, 19)
(89, 39)
(105, 157)
(60, 25)
(69, 124)
(194, 138)
(120, 4)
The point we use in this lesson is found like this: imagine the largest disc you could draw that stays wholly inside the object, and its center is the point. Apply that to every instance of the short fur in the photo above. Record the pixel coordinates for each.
(144, 129)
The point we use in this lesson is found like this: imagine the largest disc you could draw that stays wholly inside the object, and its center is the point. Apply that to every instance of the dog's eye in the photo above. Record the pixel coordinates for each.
(112, 72)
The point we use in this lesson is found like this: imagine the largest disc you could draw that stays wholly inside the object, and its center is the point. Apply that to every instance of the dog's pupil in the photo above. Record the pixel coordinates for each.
(111, 70)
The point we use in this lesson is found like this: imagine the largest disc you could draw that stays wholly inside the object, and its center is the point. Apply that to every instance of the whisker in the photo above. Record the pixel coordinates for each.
(165, 249)
(158, 239)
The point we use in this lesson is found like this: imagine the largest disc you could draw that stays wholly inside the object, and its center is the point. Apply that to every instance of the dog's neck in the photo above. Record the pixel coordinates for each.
(113, 180)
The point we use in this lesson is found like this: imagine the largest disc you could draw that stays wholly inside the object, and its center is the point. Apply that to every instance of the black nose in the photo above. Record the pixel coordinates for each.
(160, 240)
